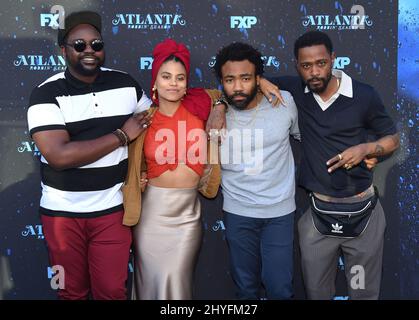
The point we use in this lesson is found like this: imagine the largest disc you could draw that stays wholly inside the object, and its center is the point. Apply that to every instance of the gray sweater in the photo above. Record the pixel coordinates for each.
(258, 178)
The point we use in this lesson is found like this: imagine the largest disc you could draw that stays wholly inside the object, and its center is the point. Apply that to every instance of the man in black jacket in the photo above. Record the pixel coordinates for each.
(336, 114)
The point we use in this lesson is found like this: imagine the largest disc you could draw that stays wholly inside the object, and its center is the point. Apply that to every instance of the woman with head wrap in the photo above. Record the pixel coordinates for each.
(173, 153)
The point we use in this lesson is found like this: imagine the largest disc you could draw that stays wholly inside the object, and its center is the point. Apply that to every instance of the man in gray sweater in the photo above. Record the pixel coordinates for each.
(258, 180)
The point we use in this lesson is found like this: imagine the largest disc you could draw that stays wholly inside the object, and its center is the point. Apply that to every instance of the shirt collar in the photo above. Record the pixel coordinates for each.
(76, 83)
(345, 87)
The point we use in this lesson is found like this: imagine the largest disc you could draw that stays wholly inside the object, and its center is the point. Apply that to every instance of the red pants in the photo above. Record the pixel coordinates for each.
(94, 253)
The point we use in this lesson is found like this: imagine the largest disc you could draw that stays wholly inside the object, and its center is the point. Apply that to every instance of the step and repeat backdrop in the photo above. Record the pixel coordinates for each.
(367, 36)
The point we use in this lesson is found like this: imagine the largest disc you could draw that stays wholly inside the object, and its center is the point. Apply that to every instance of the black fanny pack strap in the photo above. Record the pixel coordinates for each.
(343, 208)
(345, 220)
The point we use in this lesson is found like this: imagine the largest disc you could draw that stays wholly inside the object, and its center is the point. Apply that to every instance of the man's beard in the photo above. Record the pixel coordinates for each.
(79, 68)
(324, 81)
(241, 105)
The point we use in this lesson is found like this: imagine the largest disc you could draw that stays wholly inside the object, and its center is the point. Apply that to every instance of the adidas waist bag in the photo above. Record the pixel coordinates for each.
(343, 220)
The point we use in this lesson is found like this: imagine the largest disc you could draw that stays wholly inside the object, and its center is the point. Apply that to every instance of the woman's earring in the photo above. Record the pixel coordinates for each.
(154, 92)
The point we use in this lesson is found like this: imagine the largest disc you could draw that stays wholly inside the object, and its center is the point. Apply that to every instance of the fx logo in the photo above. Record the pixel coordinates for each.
(57, 275)
(245, 22)
(54, 19)
(146, 63)
(341, 62)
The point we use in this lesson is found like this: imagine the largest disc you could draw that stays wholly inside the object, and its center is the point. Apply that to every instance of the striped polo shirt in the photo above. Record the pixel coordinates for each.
(86, 111)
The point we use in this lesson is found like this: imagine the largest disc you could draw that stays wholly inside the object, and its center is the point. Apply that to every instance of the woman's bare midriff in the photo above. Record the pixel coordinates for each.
(181, 177)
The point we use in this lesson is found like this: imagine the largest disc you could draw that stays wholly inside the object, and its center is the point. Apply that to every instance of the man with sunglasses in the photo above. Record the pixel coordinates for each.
(82, 121)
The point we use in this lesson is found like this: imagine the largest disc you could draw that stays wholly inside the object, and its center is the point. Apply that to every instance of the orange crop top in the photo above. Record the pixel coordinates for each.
(175, 139)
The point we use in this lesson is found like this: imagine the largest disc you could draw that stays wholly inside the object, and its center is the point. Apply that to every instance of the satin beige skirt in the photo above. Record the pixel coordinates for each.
(167, 240)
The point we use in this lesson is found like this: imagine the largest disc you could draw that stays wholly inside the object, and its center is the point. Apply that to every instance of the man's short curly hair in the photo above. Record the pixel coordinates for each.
(238, 51)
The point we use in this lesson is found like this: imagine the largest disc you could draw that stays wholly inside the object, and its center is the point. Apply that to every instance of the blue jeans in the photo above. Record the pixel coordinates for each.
(261, 252)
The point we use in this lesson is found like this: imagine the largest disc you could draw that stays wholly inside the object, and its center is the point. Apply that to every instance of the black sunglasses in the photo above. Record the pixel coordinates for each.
(81, 45)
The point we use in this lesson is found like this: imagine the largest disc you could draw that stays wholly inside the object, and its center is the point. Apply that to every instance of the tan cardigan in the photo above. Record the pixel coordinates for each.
(208, 185)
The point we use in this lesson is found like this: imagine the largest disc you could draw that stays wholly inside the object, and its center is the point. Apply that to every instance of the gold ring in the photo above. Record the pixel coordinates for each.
(347, 166)
(340, 156)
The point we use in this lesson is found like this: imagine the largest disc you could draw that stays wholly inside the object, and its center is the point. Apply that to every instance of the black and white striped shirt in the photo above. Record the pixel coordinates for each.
(86, 111)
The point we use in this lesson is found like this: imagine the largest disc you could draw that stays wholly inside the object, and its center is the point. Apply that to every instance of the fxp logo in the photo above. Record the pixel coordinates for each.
(341, 62)
(242, 22)
(54, 19)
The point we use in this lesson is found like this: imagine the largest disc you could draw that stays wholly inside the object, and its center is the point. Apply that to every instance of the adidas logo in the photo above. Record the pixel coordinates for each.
(337, 228)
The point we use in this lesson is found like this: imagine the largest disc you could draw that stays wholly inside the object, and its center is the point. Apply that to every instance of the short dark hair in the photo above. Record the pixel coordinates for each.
(238, 51)
(313, 38)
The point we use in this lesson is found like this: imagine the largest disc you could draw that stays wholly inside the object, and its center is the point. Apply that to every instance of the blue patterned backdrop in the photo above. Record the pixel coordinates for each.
(407, 108)
(381, 50)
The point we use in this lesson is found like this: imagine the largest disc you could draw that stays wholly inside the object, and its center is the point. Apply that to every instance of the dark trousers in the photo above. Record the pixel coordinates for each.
(93, 253)
(261, 252)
